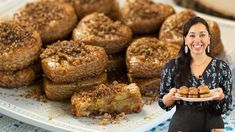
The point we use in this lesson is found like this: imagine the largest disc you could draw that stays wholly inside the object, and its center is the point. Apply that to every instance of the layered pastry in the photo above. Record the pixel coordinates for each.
(193, 92)
(53, 20)
(204, 91)
(146, 56)
(214, 7)
(69, 61)
(216, 44)
(148, 86)
(19, 78)
(172, 28)
(113, 99)
(108, 7)
(63, 91)
(99, 30)
(144, 16)
(183, 91)
(19, 46)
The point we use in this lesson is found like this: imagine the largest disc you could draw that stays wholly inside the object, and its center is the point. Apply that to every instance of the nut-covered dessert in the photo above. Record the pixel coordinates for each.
(97, 29)
(53, 20)
(183, 91)
(19, 78)
(62, 91)
(193, 92)
(145, 16)
(69, 61)
(113, 99)
(172, 28)
(204, 91)
(85, 7)
(19, 46)
(146, 57)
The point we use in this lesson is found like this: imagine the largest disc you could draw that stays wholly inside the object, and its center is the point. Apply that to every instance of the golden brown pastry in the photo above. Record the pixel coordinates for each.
(99, 30)
(85, 7)
(53, 20)
(172, 28)
(146, 56)
(216, 44)
(204, 91)
(19, 78)
(145, 16)
(183, 91)
(148, 86)
(19, 46)
(113, 99)
(192, 92)
(69, 61)
(62, 91)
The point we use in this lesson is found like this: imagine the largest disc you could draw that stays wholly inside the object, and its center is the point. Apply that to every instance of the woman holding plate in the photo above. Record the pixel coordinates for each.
(193, 67)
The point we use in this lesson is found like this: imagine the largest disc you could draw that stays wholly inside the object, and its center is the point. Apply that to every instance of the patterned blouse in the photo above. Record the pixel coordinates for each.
(217, 74)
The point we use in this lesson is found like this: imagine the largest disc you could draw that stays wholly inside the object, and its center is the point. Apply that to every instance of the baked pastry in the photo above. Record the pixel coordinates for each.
(144, 16)
(99, 30)
(172, 28)
(216, 44)
(148, 86)
(85, 7)
(19, 78)
(204, 91)
(69, 61)
(218, 8)
(183, 91)
(146, 56)
(53, 20)
(63, 91)
(19, 46)
(192, 92)
(113, 99)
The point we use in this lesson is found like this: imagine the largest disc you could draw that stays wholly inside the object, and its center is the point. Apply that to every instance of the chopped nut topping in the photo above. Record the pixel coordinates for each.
(142, 9)
(13, 35)
(100, 25)
(40, 14)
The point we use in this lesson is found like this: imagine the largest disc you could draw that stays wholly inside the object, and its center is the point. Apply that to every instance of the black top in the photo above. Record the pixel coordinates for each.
(217, 74)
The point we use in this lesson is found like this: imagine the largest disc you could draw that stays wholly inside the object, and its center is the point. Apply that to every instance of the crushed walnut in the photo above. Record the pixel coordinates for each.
(102, 26)
(113, 119)
(40, 14)
(12, 35)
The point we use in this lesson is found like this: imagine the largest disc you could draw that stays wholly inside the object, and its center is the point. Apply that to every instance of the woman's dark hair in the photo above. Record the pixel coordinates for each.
(183, 59)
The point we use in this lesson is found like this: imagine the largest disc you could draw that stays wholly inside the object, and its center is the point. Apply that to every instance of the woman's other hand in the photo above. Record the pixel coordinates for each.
(218, 93)
(169, 98)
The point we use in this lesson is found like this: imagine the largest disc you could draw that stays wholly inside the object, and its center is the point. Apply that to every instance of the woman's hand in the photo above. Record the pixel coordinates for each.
(218, 93)
(169, 98)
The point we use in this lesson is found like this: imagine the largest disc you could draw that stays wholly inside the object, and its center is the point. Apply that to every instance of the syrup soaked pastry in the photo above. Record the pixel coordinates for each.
(216, 44)
(19, 46)
(146, 56)
(108, 7)
(69, 61)
(145, 16)
(172, 28)
(53, 20)
(62, 91)
(97, 29)
(113, 99)
(19, 78)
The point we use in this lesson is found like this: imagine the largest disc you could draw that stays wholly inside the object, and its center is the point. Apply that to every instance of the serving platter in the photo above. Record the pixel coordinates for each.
(56, 116)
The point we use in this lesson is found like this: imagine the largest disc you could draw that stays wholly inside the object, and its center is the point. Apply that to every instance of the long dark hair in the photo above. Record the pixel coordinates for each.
(183, 59)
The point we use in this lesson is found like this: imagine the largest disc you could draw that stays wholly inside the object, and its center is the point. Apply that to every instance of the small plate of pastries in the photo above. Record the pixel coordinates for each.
(195, 94)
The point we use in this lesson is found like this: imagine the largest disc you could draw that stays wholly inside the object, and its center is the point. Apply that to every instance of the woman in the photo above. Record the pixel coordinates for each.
(194, 67)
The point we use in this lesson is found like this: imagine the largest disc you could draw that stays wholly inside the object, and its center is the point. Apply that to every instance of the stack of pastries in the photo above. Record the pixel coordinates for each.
(19, 50)
(145, 59)
(201, 91)
(69, 66)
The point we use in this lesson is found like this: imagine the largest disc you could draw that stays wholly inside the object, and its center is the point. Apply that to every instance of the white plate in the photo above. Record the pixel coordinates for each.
(212, 96)
(55, 116)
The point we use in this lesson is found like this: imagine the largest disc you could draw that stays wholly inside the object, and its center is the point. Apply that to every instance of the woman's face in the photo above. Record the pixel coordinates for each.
(197, 39)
